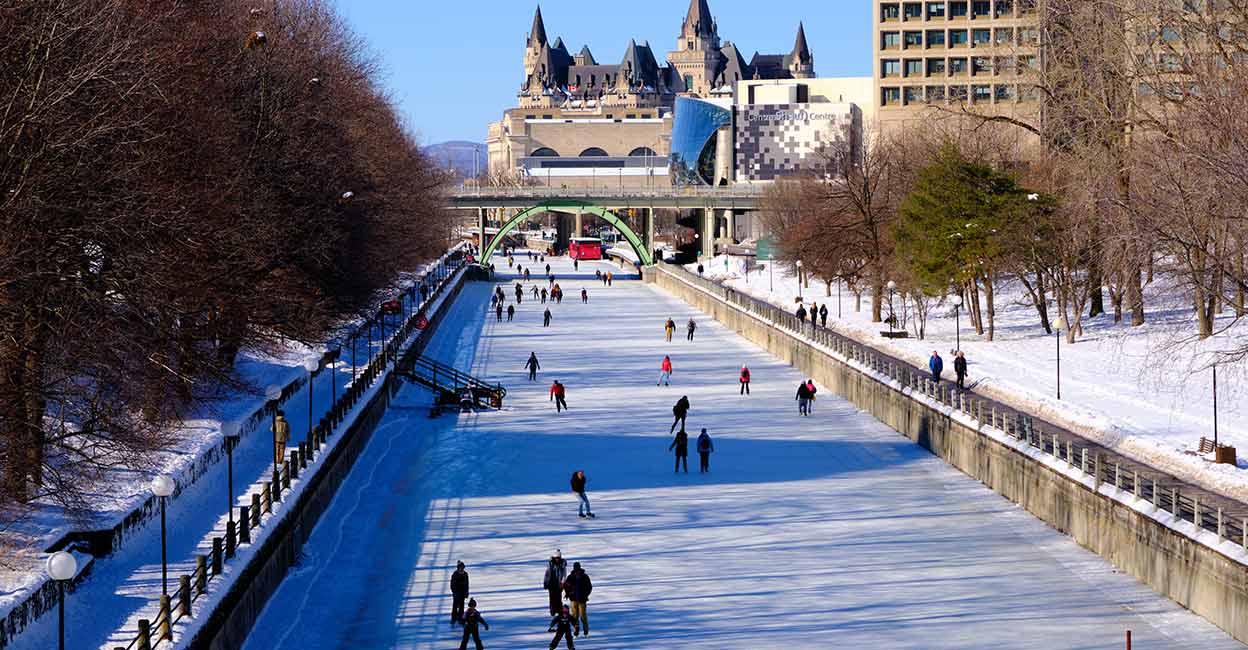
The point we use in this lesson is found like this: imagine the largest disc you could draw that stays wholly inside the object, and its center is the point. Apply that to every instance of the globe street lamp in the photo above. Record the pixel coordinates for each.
(162, 486)
(892, 317)
(799, 280)
(311, 364)
(62, 567)
(957, 320)
(229, 430)
(1058, 326)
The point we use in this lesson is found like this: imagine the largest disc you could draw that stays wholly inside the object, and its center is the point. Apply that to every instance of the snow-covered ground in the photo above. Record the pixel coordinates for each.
(829, 531)
(1143, 391)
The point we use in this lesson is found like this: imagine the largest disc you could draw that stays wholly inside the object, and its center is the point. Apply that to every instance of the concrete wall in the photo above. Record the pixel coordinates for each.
(1192, 574)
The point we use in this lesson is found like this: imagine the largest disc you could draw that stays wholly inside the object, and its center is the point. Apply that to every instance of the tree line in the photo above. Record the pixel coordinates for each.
(181, 182)
(1129, 170)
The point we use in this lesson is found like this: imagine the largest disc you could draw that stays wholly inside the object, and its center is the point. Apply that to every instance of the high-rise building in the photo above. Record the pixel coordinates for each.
(947, 58)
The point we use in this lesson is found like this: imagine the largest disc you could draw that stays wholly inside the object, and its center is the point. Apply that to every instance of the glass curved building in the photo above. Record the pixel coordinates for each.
(695, 141)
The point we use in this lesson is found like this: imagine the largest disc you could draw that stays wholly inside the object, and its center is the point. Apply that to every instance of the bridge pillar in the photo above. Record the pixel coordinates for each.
(648, 235)
(580, 225)
(481, 232)
(708, 232)
(730, 226)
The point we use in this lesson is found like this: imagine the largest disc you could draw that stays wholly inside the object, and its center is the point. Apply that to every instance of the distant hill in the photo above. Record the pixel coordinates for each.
(457, 156)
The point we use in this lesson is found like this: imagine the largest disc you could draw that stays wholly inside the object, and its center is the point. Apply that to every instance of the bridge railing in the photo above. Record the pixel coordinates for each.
(742, 191)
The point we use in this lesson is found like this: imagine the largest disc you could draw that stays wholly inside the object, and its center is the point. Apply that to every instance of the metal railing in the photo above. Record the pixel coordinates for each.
(151, 633)
(639, 193)
(1227, 518)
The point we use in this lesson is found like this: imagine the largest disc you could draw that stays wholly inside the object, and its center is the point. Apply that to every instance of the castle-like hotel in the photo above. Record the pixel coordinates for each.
(570, 106)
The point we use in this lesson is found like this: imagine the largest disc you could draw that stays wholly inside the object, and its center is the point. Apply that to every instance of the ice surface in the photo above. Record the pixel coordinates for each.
(828, 531)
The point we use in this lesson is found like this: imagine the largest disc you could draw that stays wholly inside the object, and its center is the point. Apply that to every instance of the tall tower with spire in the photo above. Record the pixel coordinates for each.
(800, 62)
(534, 43)
(697, 57)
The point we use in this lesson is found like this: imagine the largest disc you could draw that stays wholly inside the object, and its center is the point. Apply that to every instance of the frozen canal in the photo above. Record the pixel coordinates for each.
(827, 531)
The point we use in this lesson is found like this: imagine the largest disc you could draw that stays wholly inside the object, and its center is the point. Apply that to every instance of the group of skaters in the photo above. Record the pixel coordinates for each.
(669, 328)
(568, 605)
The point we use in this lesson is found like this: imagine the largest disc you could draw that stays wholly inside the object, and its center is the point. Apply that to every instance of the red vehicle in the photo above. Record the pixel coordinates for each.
(585, 248)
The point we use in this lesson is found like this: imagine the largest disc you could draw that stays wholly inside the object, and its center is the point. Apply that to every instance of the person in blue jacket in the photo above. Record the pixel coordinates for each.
(936, 365)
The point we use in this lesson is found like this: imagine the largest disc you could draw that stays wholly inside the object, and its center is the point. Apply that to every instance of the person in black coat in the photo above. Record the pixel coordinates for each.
(680, 410)
(578, 587)
(533, 366)
(823, 314)
(803, 398)
(959, 368)
(511, 313)
(498, 311)
(552, 582)
(473, 618)
(681, 445)
(562, 625)
(459, 592)
(801, 314)
(546, 318)
(705, 447)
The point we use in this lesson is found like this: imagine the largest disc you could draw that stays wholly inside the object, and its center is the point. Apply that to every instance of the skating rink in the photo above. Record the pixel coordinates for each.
(831, 531)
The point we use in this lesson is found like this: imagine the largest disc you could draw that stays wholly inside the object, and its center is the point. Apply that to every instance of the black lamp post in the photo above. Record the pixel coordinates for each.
(162, 487)
(1058, 326)
(957, 320)
(229, 431)
(62, 567)
(311, 364)
(799, 280)
(892, 315)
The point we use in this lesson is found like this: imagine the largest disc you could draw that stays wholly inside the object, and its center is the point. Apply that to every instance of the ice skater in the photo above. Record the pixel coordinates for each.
(803, 399)
(556, 572)
(681, 445)
(459, 593)
(680, 410)
(665, 372)
(511, 313)
(578, 486)
(563, 624)
(691, 328)
(498, 312)
(669, 328)
(546, 318)
(533, 366)
(578, 586)
(705, 447)
(473, 618)
(744, 378)
(558, 395)
(810, 386)
(584, 296)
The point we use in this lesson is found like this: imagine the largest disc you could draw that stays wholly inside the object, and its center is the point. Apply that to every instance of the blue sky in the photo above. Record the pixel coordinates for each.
(455, 65)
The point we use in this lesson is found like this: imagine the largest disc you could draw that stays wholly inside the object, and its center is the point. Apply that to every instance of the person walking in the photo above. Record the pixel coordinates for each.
(803, 399)
(584, 296)
(598, 274)
(459, 593)
(547, 269)
(681, 445)
(526, 275)
(473, 619)
(558, 394)
(823, 314)
(535, 292)
(578, 587)
(546, 318)
(576, 264)
(511, 313)
(665, 372)
(814, 315)
(281, 436)
(959, 368)
(543, 296)
(498, 312)
(578, 486)
(700, 269)
(801, 316)
(705, 447)
(691, 327)
(936, 365)
(744, 378)
(556, 572)
(610, 278)
(680, 410)
(563, 624)
(669, 328)
(810, 386)
(533, 366)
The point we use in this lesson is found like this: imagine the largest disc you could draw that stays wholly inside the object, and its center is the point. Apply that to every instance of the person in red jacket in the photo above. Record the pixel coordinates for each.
(558, 394)
(745, 380)
(665, 372)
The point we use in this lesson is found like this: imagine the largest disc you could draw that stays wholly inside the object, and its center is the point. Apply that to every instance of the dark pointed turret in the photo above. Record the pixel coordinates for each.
(699, 21)
(801, 51)
(537, 33)
(800, 62)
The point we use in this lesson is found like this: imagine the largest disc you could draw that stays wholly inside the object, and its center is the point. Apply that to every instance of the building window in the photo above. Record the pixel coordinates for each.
(688, 82)
(935, 94)
(913, 94)
(914, 67)
(890, 12)
(642, 152)
(890, 40)
(1005, 36)
(935, 67)
(935, 10)
(957, 9)
(957, 67)
(593, 152)
(1026, 63)
(1004, 93)
(981, 93)
(981, 37)
(981, 9)
(913, 39)
(913, 11)
(957, 93)
(957, 38)
(1004, 65)
(1028, 36)
(981, 65)
(890, 96)
(1004, 8)
(935, 38)
(545, 152)
(890, 68)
